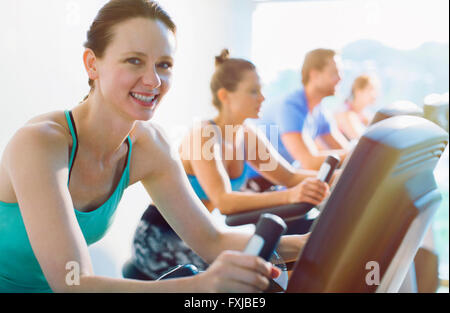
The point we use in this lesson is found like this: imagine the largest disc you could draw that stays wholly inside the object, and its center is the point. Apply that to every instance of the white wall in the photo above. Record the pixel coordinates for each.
(41, 70)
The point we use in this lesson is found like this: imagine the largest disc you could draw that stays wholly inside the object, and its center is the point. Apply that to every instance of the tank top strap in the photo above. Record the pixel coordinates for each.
(127, 165)
(130, 146)
(73, 132)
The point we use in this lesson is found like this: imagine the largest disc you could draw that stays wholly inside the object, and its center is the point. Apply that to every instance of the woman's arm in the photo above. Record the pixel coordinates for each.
(172, 194)
(230, 269)
(40, 184)
(170, 190)
(167, 185)
(36, 161)
(213, 177)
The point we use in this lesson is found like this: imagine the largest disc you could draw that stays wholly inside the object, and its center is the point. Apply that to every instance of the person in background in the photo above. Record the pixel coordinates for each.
(354, 118)
(215, 155)
(306, 130)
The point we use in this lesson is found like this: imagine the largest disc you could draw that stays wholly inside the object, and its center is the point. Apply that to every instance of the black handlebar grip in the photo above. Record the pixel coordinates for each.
(268, 232)
(327, 168)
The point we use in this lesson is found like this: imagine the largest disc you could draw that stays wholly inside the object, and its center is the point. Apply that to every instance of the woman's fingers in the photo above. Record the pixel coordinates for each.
(248, 277)
(318, 195)
(275, 273)
(313, 191)
(250, 262)
(316, 184)
(238, 272)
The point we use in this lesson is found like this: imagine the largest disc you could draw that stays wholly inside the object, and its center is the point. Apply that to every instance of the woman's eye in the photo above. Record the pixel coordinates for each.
(134, 61)
(165, 65)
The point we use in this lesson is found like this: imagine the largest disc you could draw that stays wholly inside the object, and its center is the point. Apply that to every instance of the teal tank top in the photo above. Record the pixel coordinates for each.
(19, 268)
(236, 183)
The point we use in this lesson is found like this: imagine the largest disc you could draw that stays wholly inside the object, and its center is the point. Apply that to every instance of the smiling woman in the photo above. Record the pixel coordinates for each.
(124, 57)
(63, 174)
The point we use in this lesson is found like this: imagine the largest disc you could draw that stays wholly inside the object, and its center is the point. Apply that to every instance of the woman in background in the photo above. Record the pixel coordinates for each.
(354, 118)
(215, 155)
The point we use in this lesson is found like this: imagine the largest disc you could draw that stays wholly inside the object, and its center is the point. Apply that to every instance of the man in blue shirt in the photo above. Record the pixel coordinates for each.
(306, 133)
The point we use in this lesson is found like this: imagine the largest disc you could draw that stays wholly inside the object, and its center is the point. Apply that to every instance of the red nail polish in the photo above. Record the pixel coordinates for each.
(275, 272)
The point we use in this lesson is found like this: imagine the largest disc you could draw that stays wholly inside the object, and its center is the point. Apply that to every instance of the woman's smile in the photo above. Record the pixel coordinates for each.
(147, 100)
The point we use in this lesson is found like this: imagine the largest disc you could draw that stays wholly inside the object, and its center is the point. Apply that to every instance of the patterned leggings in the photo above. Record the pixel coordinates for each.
(157, 248)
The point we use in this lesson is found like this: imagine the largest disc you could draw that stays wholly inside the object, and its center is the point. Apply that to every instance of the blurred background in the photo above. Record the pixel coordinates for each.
(404, 43)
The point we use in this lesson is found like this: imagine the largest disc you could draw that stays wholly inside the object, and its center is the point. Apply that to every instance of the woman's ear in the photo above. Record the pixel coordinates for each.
(90, 63)
(222, 95)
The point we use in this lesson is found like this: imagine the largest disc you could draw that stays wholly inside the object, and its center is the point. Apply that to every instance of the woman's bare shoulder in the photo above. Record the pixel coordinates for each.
(43, 128)
(42, 141)
(53, 116)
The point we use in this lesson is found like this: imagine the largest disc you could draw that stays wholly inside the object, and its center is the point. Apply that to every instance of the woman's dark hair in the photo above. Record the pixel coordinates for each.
(228, 74)
(114, 12)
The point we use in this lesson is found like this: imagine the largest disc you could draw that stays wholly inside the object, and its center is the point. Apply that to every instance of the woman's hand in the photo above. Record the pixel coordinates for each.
(310, 190)
(234, 271)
